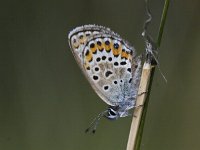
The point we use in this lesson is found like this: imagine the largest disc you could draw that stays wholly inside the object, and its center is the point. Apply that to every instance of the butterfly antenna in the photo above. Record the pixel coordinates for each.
(151, 46)
(93, 125)
(152, 50)
(147, 22)
(162, 73)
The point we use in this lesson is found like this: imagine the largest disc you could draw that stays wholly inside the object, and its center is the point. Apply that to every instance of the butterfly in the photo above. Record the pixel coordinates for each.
(110, 65)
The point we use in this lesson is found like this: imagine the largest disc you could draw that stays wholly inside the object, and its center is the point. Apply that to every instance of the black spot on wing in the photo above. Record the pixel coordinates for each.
(108, 73)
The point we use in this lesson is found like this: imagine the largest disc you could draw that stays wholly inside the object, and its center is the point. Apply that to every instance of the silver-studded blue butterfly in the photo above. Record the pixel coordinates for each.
(111, 67)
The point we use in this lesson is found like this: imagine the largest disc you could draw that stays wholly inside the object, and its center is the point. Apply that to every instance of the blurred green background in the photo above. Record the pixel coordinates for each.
(45, 101)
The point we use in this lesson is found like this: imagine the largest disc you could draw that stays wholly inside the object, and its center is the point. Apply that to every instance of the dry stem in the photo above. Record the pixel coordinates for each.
(142, 93)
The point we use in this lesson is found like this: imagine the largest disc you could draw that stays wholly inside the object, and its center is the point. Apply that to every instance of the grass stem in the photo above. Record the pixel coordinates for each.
(139, 114)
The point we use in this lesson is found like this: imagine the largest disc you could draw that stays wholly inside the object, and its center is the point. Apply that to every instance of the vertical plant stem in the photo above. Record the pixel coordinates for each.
(138, 115)
(137, 125)
(162, 22)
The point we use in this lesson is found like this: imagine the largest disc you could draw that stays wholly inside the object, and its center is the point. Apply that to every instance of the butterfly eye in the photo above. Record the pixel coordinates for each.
(112, 114)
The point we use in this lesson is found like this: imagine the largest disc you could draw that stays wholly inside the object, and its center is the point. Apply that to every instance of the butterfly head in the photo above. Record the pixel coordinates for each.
(112, 113)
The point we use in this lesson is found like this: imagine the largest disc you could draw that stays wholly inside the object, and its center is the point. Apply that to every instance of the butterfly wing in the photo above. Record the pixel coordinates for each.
(108, 62)
(81, 35)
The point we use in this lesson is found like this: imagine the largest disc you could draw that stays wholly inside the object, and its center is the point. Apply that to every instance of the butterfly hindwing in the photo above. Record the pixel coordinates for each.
(107, 61)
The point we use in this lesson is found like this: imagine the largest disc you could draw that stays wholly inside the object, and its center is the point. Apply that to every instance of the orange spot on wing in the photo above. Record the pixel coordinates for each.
(125, 54)
(93, 49)
(116, 52)
(89, 57)
(83, 39)
(101, 47)
(130, 57)
(107, 47)
(87, 66)
(75, 44)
